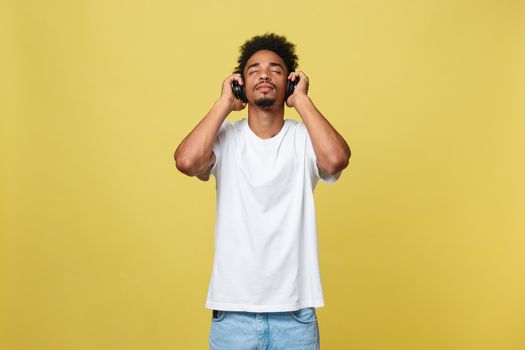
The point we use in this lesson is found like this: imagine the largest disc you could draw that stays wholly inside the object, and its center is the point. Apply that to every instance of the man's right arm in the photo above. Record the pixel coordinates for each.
(205, 176)
(194, 156)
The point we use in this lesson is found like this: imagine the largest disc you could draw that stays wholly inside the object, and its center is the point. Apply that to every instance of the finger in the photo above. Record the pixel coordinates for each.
(238, 78)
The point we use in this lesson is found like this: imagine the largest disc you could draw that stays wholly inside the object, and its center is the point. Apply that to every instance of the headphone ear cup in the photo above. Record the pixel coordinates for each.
(243, 94)
(239, 92)
(290, 87)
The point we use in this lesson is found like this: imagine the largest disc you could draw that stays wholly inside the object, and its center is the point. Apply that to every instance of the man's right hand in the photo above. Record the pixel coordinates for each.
(227, 93)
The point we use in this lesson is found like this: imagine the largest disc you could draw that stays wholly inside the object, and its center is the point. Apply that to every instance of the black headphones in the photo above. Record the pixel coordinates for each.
(240, 91)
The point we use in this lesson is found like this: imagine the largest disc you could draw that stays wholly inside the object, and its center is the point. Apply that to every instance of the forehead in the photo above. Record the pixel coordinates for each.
(264, 57)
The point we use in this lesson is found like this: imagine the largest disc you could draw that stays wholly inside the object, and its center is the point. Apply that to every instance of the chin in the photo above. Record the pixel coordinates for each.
(265, 102)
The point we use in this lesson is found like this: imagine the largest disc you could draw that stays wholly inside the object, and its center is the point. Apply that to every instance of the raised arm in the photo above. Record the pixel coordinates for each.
(194, 155)
(331, 150)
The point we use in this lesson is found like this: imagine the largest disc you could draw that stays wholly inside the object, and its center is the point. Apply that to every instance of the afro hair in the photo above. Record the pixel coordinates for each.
(267, 41)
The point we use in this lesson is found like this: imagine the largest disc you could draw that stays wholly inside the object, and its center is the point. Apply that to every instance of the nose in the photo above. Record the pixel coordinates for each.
(264, 76)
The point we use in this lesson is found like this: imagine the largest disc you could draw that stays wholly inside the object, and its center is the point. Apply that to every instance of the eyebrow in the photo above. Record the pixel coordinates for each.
(271, 64)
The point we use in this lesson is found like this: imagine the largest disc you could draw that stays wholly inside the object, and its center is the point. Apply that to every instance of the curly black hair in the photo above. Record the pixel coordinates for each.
(268, 41)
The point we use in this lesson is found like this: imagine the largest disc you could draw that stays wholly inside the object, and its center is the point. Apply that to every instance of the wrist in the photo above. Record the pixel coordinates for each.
(301, 100)
(224, 105)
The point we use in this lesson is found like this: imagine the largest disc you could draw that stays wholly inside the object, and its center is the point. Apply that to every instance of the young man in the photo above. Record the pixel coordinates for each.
(265, 282)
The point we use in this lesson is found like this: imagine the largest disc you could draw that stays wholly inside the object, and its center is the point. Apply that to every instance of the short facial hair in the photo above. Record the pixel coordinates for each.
(265, 102)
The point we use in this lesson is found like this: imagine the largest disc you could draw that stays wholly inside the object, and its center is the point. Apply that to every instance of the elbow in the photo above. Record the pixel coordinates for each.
(344, 163)
(182, 162)
(184, 166)
(336, 166)
(340, 163)
(188, 167)
(344, 160)
(339, 166)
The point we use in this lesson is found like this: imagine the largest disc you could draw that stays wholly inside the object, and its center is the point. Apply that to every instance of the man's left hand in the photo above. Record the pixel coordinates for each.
(301, 89)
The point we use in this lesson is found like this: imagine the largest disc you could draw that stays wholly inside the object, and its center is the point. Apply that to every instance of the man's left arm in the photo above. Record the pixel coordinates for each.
(332, 151)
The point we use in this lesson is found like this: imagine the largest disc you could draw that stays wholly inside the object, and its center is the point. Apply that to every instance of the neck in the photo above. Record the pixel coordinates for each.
(266, 122)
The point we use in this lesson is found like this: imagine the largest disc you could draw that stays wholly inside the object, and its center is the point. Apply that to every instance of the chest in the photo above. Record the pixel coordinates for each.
(264, 167)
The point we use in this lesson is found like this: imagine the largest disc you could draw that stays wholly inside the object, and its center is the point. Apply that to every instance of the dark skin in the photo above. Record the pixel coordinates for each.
(266, 77)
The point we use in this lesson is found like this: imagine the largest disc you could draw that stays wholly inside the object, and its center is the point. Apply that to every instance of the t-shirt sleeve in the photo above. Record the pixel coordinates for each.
(218, 146)
(312, 161)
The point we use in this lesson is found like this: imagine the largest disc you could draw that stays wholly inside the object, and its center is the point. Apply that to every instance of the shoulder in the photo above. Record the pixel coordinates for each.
(238, 124)
(228, 126)
(294, 125)
(292, 122)
(298, 128)
(225, 129)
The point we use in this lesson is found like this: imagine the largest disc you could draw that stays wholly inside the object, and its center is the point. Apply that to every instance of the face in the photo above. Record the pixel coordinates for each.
(265, 77)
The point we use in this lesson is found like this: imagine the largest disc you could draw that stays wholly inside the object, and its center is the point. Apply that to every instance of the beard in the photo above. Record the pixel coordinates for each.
(265, 102)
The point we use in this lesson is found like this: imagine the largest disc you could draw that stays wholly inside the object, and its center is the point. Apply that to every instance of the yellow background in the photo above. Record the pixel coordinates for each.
(104, 245)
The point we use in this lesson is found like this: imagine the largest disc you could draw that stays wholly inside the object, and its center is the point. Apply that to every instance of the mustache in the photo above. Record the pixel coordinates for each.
(264, 82)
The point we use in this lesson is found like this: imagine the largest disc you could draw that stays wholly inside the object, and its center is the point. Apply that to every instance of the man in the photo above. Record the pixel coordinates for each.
(265, 282)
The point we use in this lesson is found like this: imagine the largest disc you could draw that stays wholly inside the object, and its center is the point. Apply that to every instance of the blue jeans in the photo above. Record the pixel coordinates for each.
(288, 330)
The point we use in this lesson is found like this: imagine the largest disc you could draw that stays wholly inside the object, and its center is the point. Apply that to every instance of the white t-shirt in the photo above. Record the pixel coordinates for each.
(266, 253)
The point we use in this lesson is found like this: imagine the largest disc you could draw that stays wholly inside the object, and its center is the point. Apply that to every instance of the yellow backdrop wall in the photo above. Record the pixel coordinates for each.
(104, 245)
